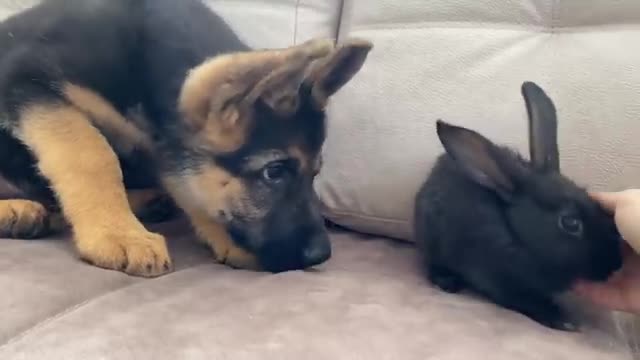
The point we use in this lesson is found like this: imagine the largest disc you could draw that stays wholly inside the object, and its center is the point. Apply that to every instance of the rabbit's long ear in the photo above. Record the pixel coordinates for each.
(477, 156)
(543, 128)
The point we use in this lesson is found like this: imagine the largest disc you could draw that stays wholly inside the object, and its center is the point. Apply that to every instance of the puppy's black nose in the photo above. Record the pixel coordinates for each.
(318, 251)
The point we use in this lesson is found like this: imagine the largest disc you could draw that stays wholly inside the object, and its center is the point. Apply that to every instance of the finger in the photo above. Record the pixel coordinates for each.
(608, 200)
(626, 219)
(617, 280)
(602, 295)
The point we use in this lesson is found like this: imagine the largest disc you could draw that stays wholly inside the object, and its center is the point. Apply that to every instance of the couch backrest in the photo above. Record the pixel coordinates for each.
(280, 23)
(464, 61)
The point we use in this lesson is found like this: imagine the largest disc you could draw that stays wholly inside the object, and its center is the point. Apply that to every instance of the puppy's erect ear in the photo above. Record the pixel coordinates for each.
(476, 156)
(216, 95)
(280, 90)
(331, 73)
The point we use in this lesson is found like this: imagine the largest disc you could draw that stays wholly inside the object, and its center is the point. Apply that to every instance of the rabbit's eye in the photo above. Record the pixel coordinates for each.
(570, 224)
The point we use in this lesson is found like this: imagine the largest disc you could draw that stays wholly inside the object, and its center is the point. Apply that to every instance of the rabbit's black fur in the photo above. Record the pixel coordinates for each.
(516, 231)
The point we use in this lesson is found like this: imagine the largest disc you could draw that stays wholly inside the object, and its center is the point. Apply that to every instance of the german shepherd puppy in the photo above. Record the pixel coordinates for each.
(232, 134)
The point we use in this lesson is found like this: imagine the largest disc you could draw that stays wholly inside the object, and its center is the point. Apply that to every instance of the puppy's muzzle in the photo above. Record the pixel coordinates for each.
(317, 251)
(302, 249)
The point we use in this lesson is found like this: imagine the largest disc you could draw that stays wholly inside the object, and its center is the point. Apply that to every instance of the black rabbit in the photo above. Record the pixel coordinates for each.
(515, 231)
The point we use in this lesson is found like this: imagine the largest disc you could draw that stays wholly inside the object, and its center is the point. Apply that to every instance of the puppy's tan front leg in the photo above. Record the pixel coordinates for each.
(224, 249)
(148, 205)
(85, 174)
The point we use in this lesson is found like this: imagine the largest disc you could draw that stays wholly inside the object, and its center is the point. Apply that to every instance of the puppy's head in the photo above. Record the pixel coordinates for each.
(254, 126)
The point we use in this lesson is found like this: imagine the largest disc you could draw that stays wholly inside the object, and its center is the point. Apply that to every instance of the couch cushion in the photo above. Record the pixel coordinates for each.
(262, 24)
(367, 302)
(464, 61)
(279, 23)
(42, 279)
(9, 7)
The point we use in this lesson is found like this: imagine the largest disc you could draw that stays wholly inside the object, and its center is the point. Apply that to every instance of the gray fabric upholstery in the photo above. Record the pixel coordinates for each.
(368, 302)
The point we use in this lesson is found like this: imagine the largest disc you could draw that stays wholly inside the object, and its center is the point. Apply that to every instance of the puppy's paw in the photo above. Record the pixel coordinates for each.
(226, 252)
(135, 252)
(23, 219)
(238, 258)
(224, 249)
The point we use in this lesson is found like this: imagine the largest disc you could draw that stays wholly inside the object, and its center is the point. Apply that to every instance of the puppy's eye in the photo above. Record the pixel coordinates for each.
(274, 172)
(570, 224)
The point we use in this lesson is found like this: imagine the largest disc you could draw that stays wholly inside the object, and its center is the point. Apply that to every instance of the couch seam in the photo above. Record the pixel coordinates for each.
(553, 18)
(57, 316)
(73, 308)
(295, 22)
(339, 21)
(331, 211)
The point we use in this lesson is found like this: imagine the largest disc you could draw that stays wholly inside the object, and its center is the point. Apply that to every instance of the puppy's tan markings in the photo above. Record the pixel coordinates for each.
(139, 202)
(23, 219)
(223, 247)
(230, 193)
(216, 94)
(225, 193)
(122, 134)
(207, 93)
(85, 174)
(297, 153)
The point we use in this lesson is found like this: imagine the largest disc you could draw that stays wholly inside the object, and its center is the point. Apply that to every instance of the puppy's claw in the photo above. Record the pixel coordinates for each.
(135, 252)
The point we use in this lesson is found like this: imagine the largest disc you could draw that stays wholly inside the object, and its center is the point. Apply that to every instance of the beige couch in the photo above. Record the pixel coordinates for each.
(461, 60)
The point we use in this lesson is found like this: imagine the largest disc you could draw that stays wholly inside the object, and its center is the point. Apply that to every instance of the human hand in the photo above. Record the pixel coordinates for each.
(625, 205)
(622, 290)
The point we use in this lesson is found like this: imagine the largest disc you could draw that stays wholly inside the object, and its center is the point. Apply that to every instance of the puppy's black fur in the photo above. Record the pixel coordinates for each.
(82, 42)
(246, 166)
